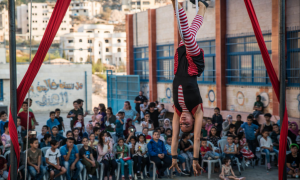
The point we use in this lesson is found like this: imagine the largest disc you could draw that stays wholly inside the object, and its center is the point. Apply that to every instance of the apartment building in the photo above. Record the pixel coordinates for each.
(85, 8)
(41, 13)
(96, 43)
(4, 33)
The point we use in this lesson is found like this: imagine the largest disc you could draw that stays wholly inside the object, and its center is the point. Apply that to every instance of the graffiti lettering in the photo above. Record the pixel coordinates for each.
(53, 86)
(54, 100)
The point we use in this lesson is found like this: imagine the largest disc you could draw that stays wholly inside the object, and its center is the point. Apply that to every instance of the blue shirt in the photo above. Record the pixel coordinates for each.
(2, 126)
(64, 151)
(51, 124)
(58, 137)
(155, 148)
(119, 127)
(249, 130)
(168, 148)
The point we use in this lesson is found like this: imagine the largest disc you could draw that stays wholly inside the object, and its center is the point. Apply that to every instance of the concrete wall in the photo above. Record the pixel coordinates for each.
(293, 102)
(141, 27)
(238, 20)
(55, 86)
(292, 13)
(165, 25)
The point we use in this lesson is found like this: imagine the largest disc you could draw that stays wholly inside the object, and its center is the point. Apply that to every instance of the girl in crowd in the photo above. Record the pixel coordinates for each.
(96, 117)
(110, 120)
(167, 124)
(147, 123)
(122, 153)
(106, 155)
(102, 112)
(227, 172)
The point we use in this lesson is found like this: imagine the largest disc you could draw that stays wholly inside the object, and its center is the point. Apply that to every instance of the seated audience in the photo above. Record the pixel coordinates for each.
(45, 141)
(141, 150)
(227, 172)
(231, 130)
(267, 146)
(167, 124)
(110, 120)
(162, 111)
(53, 161)
(69, 134)
(208, 126)
(268, 125)
(145, 133)
(122, 153)
(131, 133)
(79, 124)
(158, 153)
(186, 148)
(274, 136)
(34, 160)
(244, 149)
(146, 123)
(96, 118)
(45, 130)
(3, 116)
(213, 138)
(293, 161)
(52, 121)
(55, 134)
(70, 159)
(230, 149)
(128, 126)
(87, 158)
(77, 137)
(226, 124)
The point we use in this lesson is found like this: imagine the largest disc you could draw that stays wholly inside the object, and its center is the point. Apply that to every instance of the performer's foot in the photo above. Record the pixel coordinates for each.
(202, 2)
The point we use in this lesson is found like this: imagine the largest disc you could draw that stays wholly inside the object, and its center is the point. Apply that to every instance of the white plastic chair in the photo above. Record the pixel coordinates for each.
(6, 154)
(126, 164)
(211, 162)
(154, 169)
(222, 144)
(272, 154)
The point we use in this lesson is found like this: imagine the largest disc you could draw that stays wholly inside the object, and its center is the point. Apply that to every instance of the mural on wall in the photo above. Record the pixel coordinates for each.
(240, 98)
(168, 96)
(53, 93)
(210, 96)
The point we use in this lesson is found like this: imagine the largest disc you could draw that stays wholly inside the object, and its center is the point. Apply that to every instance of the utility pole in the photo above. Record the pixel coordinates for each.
(282, 75)
(13, 82)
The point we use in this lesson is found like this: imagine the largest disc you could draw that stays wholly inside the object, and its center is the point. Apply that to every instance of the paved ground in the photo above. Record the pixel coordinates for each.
(258, 173)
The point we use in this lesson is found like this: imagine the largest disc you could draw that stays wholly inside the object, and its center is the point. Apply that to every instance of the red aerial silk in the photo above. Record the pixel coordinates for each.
(274, 81)
(51, 30)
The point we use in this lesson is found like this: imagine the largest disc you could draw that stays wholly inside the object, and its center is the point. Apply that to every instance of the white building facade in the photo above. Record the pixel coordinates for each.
(4, 25)
(96, 43)
(41, 13)
(85, 8)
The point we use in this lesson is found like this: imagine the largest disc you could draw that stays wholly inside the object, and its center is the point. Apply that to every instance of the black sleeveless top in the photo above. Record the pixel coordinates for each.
(186, 70)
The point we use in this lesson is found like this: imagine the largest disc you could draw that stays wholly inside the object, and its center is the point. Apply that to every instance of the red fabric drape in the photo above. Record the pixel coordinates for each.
(274, 81)
(57, 16)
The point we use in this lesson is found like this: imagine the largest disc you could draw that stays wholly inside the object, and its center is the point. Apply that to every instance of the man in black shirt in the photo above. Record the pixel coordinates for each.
(61, 126)
(293, 161)
(139, 100)
(74, 113)
(153, 114)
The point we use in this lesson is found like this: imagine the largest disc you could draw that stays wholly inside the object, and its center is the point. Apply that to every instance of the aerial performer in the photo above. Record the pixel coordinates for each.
(188, 65)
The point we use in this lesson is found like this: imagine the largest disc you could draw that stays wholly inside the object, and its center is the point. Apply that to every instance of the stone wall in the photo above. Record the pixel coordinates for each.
(55, 86)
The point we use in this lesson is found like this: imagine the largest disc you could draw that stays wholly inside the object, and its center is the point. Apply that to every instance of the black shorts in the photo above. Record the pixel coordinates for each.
(52, 168)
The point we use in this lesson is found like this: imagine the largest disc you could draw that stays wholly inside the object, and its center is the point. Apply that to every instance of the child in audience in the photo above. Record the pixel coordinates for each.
(97, 131)
(77, 138)
(186, 148)
(207, 152)
(131, 133)
(3, 168)
(213, 138)
(55, 134)
(5, 138)
(79, 124)
(93, 144)
(70, 159)
(145, 132)
(244, 149)
(52, 160)
(208, 126)
(146, 123)
(217, 120)
(98, 125)
(230, 148)
(31, 134)
(227, 172)
(3, 116)
(160, 137)
(87, 158)
(274, 136)
(45, 141)
(96, 117)
(19, 130)
(61, 126)
(34, 160)
(203, 130)
(128, 126)
(89, 130)
(119, 124)
(45, 130)
(268, 125)
(238, 123)
(162, 131)
(52, 121)
(250, 131)
(231, 130)
(167, 124)
(122, 156)
(158, 153)
(180, 158)
(267, 146)
(237, 143)
(141, 152)
(293, 161)
(69, 134)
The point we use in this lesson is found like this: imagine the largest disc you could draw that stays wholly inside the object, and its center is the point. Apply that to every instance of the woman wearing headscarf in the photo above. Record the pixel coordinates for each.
(293, 131)
(226, 124)
(167, 124)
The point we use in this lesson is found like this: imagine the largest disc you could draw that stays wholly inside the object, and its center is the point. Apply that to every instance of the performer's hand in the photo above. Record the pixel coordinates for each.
(175, 165)
(197, 168)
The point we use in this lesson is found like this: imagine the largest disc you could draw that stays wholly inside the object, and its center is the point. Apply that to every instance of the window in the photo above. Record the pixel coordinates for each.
(245, 63)
(70, 41)
(119, 49)
(138, 3)
(1, 90)
(106, 49)
(70, 50)
(165, 63)
(80, 40)
(132, 3)
(146, 3)
(119, 40)
(141, 63)
(293, 58)
(208, 76)
(90, 41)
(90, 50)
(106, 41)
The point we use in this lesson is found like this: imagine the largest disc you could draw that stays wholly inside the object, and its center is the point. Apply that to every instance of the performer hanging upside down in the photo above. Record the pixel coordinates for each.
(188, 65)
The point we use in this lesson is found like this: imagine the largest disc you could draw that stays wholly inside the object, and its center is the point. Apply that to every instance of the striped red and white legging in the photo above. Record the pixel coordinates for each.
(189, 33)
